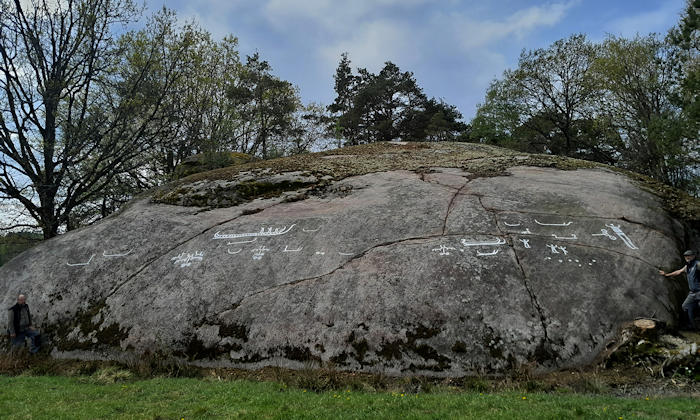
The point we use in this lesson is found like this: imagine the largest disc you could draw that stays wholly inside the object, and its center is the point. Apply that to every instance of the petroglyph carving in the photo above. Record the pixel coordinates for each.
(286, 249)
(526, 232)
(259, 252)
(556, 248)
(242, 242)
(499, 241)
(553, 224)
(444, 249)
(623, 236)
(572, 237)
(186, 259)
(511, 224)
(604, 232)
(81, 264)
(311, 230)
(486, 254)
(526, 243)
(104, 254)
(320, 253)
(345, 254)
(262, 232)
(234, 253)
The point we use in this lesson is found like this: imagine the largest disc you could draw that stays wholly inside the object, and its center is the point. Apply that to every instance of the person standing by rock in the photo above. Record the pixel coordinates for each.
(692, 270)
(19, 325)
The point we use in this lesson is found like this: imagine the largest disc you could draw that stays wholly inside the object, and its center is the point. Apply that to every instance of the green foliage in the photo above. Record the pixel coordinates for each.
(388, 106)
(270, 103)
(13, 244)
(208, 161)
(615, 102)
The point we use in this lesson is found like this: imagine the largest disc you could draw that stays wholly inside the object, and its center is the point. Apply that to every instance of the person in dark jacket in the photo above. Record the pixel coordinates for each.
(692, 271)
(19, 325)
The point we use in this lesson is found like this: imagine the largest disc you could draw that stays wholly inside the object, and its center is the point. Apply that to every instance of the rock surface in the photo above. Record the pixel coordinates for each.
(436, 270)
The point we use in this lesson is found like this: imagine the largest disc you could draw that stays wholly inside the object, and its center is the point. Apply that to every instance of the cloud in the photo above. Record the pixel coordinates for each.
(331, 16)
(475, 33)
(374, 43)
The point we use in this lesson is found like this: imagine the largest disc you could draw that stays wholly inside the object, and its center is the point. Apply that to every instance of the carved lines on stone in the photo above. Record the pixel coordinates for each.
(81, 264)
(604, 232)
(259, 252)
(186, 259)
(553, 224)
(262, 232)
(499, 241)
(486, 254)
(623, 236)
(444, 250)
(572, 237)
(104, 254)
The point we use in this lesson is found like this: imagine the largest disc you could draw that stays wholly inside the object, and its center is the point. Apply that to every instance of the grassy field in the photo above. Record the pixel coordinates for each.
(89, 397)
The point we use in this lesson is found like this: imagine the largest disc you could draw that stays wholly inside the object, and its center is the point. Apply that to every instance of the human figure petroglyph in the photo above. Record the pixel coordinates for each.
(259, 252)
(444, 250)
(186, 259)
(556, 248)
(81, 264)
(623, 236)
(262, 232)
(526, 243)
(553, 248)
(604, 232)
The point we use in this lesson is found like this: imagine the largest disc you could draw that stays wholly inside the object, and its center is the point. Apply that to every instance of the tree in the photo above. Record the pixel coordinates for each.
(266, 104)
(208, 122)
(543, 98)
(79, 105)
(686, 57)
(637, 81)
(345, 87)
(309, 130)
(388, 106)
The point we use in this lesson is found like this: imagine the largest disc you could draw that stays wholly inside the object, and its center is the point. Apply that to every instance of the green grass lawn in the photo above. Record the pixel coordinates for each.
(55, 397)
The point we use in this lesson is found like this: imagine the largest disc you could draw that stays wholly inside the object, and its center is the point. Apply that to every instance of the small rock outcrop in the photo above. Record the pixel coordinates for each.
(441, 259)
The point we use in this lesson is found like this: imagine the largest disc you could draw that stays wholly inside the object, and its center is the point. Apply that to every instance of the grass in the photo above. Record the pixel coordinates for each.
(57, 397)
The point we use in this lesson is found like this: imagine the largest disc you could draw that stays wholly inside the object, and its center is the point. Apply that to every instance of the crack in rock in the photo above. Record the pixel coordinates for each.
(450, 206)
(340, 267)
(533, 297)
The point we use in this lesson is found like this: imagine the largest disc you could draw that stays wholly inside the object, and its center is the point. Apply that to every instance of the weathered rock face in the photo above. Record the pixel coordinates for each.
(435, 271)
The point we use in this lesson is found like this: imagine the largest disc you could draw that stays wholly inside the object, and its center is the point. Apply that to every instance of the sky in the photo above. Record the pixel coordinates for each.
(454, 48)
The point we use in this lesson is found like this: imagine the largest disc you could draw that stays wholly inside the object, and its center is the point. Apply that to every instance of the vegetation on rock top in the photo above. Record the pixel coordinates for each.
(478, 159)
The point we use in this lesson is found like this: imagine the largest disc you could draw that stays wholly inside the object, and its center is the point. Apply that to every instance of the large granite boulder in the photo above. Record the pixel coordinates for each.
(447, 259)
